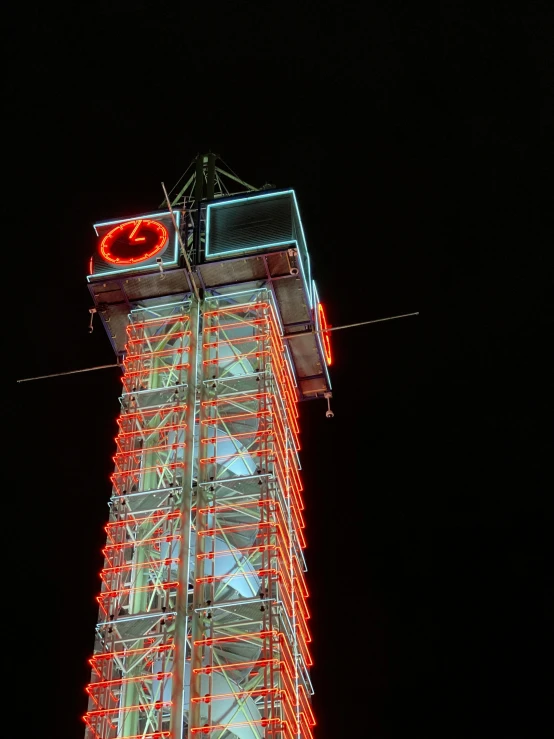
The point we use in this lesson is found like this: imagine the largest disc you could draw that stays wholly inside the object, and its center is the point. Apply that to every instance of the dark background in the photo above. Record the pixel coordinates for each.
(419, 140)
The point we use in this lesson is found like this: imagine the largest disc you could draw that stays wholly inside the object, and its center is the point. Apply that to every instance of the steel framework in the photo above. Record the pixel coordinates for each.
(203, 617)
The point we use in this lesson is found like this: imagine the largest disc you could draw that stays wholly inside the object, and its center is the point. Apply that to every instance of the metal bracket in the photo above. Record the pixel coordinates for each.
(92, 311)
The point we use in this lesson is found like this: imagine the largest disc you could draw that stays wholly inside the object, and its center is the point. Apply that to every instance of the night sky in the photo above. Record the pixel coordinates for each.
(420, 142)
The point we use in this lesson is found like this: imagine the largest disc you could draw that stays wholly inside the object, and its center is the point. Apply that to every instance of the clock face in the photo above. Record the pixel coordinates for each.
(132, 242)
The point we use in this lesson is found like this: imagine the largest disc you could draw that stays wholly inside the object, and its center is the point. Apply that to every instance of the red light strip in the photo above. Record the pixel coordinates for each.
(169, 320)
(149, 414)
(235, 666)
(305, 651)
(156, 354)
(325, 335)
(138, 566)
(237, 694)
(142, 589)
(139, 452)
(136, 471)
(290, 715)
(158, 337)
(233, 399)
(255, 433)
(141, 542)
(145, 431)
(218, 727)
(152, 735)
(155, 370)
(140, 707)
(231, 575)
(243, 550)
(306, 706)
(267, 503)
(236, 417)
(137, 520)
(239, 527)
(126, 680)
(231, 341)
(237, 357)
(236, 309)
(131, 652)
(237, 455)
(289, 662)
(236, 324)
(238, 637)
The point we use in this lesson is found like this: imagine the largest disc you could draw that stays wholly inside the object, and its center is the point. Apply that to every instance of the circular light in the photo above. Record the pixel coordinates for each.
(132, 242)
(326, 338)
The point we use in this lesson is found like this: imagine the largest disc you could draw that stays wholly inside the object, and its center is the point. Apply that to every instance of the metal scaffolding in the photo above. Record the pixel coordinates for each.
(203, 614)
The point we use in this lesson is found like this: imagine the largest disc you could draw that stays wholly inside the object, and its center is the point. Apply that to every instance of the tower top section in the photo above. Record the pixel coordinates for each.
(215, 235)
(207, 178)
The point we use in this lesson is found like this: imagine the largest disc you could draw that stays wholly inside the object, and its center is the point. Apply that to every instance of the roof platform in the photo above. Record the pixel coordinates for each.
(253, 239)
(115, 297)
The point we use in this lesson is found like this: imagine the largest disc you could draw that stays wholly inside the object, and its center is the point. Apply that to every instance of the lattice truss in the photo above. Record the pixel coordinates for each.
(203, 617)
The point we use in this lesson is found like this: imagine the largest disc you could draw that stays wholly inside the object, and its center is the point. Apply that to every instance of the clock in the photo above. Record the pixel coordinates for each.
(138, 244)
(132, 242)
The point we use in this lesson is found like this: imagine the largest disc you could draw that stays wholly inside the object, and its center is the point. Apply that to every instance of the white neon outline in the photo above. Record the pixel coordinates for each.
(276, 311)
(291, 364)
(133, 218)
(307, 282)
(305, 245)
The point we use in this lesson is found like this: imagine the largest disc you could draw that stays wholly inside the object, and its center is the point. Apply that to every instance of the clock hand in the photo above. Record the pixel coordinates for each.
(133, 232)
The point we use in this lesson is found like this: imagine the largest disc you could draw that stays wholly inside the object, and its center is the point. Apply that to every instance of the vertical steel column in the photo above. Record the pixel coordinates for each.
(182, 605)
(133, 664)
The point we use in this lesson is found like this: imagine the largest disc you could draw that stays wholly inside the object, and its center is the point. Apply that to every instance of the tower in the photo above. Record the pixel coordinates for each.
(210, 306)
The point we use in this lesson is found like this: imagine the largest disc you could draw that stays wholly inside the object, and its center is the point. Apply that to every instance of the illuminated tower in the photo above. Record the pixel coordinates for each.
(203, 620)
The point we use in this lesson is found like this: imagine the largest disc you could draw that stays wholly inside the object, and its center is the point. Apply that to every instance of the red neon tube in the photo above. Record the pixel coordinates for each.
(237, 357)
(172, 320)
(244, 308)
(239, 637)
(131, 652)
(238, 324)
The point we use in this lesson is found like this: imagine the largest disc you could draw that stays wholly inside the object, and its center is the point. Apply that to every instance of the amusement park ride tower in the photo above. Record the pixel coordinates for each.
(203, 620)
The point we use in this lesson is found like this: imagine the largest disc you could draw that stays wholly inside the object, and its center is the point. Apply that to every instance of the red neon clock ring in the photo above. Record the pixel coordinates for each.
(132, 242)
(325, 335)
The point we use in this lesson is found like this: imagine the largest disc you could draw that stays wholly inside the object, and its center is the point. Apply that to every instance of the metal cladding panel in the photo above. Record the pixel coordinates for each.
(115, 319)
(114, 299)
(242, 225)
(233, 271)
(314, 386)
(266, 221)
(139, 287)
(156, 285)
(278, 264)
(290, 296)
(305, 356)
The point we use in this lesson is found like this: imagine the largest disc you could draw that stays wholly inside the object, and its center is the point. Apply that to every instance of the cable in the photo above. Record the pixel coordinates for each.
(290, 336)
(70, 372)
(348, 325)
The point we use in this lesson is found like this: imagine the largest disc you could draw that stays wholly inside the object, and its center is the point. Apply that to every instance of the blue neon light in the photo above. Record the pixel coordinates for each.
(305, 244)
(289, 242)
(134, 218)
